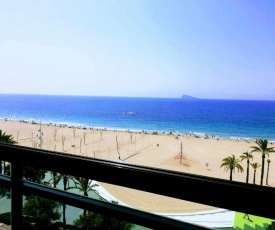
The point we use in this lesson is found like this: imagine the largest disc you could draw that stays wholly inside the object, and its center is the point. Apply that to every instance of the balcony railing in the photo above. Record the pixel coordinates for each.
(246, 198)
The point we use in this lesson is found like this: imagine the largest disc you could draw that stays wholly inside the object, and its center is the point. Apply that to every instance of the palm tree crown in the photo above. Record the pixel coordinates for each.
(8, 139)
(264, 150)
(255, 166)
(84, 185)
(231, 163)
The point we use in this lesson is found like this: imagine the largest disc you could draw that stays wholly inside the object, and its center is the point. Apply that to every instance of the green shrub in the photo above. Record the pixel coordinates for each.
(5, 218)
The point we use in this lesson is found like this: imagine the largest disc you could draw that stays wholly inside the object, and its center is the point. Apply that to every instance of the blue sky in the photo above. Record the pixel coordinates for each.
(144, 48)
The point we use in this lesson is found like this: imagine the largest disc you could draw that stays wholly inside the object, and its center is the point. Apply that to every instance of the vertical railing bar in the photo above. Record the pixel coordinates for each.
(16, 195)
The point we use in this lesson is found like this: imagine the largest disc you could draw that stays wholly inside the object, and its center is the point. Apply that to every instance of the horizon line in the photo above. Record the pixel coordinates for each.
(180, 97)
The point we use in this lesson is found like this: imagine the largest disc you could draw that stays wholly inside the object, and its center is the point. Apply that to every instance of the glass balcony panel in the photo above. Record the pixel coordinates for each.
(186, 211)
(140, 200)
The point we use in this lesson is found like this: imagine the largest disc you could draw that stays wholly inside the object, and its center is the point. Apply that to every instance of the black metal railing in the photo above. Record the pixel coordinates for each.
(220, 193)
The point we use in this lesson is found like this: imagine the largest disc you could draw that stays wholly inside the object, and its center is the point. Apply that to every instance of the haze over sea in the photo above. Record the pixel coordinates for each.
(223, 118)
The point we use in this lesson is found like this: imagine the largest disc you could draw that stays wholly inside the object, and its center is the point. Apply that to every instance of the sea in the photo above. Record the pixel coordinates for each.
(229, 119)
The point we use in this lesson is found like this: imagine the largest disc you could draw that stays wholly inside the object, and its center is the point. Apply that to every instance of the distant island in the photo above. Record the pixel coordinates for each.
(187, 97)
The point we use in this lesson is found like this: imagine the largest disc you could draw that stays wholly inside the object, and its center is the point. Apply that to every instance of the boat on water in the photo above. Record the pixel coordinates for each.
(129, 113)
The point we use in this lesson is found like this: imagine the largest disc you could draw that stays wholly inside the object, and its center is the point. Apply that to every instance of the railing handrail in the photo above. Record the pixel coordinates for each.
(200, 189)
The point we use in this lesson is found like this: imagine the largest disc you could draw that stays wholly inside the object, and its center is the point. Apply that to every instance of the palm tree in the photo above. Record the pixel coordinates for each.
(84, 185)
(54, 179)
(7, 139)
(65, 178)
(65, 183)
(268, 162)
(230, 163)
(255, 166)
(264, 150)
(246, 156)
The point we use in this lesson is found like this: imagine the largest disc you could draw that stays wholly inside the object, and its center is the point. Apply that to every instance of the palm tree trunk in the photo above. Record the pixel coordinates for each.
(262, 174)
(247, 171)
(54, 179)
(85, 211)
(65, 180)
(254, 176)
(267, 173)
(231, 172)
(64, 217)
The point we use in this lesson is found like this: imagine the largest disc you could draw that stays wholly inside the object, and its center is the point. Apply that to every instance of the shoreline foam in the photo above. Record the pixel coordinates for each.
(81, 125)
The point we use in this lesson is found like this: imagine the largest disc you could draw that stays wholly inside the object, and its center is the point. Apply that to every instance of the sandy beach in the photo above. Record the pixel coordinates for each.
(199, 156)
